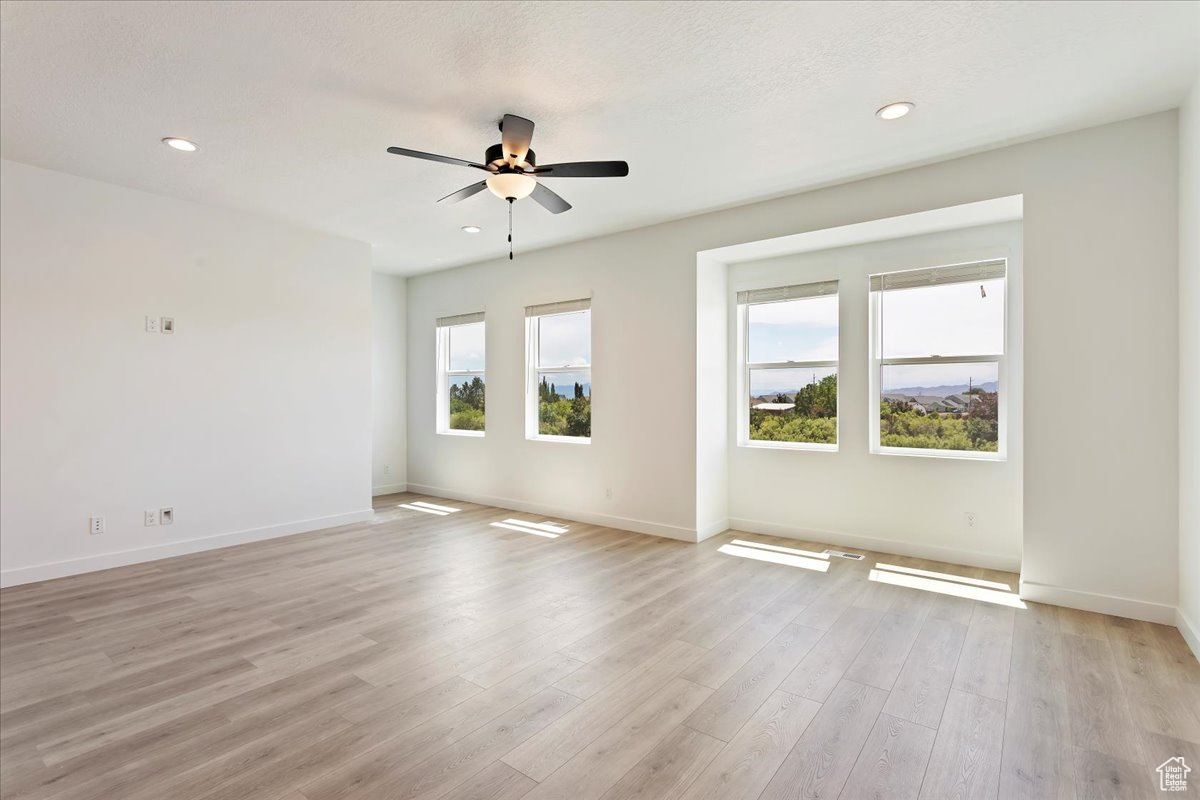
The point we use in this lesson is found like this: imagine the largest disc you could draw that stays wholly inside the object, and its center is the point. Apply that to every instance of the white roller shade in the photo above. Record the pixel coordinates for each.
(564, 307)
(788, 292)
(460, 319)
(937, 276)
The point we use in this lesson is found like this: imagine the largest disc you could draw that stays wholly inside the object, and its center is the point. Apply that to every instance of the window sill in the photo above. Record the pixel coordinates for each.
(812, 447)
(562, 439)
(472, 434)
(951, 455)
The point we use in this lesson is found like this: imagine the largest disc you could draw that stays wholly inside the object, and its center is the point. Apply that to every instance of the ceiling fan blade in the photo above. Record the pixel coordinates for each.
(464, 193)
(515, 135)
(401, 151)
(584, 169)
(549, 200)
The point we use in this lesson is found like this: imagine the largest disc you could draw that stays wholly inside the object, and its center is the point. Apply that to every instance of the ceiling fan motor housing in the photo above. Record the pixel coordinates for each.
(495, 156)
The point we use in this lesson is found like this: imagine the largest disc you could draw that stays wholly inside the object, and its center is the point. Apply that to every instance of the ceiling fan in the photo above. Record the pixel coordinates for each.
(514, 173)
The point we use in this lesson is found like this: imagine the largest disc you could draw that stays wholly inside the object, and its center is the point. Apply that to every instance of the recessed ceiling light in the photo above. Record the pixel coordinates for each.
(471, 229)
(895, 110)
(180, 144)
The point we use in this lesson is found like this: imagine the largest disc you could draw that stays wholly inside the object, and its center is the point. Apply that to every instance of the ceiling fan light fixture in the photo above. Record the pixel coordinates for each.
(511, 184)
(895, 110)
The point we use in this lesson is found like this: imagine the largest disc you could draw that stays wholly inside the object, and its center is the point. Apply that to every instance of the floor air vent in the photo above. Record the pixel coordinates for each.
(840, 554)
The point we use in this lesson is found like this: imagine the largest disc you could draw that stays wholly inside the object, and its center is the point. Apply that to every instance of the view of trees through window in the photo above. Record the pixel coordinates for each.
(564, 405)
(562, 370)
(464, 376)
(940, 339)
(467, 404)
(946, 416)
(807, 414)
(791, 369)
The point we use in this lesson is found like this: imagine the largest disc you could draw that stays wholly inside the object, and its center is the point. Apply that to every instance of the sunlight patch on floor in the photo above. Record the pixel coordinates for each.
(414, 507)
(550, 530)
(945, 576)
(792, 551)
(544, 525)
(946, 587)
(773, 557)
(436, 507)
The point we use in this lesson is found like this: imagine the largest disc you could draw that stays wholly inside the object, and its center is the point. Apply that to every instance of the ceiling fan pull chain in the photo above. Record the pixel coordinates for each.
(510, 252)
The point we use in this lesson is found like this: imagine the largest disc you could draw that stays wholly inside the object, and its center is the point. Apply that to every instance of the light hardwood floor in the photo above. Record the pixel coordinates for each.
(436, 655)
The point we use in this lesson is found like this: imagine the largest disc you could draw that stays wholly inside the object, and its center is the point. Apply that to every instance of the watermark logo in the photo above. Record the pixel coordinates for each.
(1172, 775)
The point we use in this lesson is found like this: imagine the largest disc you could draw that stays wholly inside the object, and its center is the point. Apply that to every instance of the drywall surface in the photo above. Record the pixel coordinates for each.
(251, 420)
(388, 391)
(712, 407)
(1100, 505)
(913, 505)
(1189, 368)
(643, 411)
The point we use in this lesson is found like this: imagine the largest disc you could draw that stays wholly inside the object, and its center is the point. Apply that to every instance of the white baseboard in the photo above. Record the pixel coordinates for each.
(622, 523)
(950, 555)
(138, 555)
(1191, 633)
(1098, 603)
(390, 488)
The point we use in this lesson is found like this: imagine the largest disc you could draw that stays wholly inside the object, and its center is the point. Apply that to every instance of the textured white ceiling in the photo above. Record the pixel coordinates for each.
(712, 104)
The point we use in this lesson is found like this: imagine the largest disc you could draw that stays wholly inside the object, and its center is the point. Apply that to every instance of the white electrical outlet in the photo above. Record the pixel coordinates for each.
(151, 324)
(970, 519)
(95, 525)
(387, 470)
(151, 517)
(166, 516)
(608, 493)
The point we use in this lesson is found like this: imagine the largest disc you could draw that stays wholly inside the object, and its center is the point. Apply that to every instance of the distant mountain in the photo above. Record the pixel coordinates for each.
(567, 390)
(940, 391)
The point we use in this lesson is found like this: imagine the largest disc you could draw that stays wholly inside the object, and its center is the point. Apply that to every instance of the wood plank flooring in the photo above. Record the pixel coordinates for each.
(432, 654)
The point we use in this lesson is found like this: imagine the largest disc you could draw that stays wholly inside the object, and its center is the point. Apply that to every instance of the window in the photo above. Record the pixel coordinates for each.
(790, 364)
(559, 387)
(460, 365)
(938, 361)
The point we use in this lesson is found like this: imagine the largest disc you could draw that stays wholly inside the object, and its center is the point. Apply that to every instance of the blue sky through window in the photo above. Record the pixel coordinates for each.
(794, 330)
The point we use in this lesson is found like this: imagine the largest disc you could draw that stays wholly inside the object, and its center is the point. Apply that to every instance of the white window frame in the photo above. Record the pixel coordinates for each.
(534, 372)
(445, 375)
(878, 363)
(745, 299)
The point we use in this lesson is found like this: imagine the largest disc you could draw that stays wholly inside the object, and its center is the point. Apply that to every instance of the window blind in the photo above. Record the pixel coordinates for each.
(937, 276)
(460, 319)
(787, 292)
(564, 307)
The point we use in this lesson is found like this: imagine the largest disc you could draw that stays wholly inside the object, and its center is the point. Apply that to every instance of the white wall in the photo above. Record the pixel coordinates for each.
(389, 451)
(643, 305)
(1189, 368)
(251, 420)
(1100, 521)
(895, 504)
(712, 398)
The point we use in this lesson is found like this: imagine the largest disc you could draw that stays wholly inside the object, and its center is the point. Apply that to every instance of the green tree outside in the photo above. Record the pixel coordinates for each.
(467, 405)
(902, 425)
(813, 420)
(563, 416)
